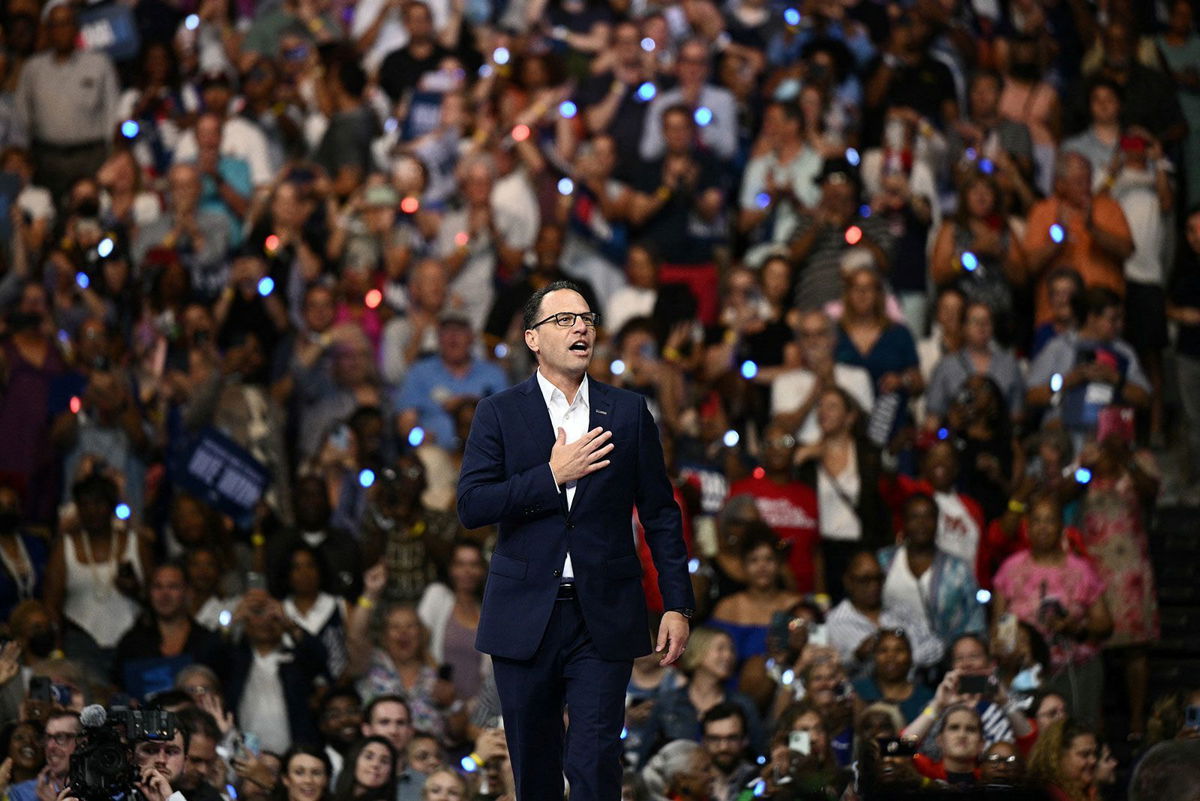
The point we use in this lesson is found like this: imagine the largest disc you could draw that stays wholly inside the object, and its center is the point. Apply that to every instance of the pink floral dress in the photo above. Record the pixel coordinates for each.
(1116, 540)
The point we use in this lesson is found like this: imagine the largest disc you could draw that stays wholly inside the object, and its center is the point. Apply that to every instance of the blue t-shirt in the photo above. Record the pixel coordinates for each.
(893, 352)
(429, 385)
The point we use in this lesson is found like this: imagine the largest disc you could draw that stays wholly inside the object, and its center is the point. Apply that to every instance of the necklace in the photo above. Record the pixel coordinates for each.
(100, 588)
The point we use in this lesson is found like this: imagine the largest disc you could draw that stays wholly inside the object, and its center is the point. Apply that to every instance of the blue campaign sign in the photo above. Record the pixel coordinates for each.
(223, 474)
(110, 27)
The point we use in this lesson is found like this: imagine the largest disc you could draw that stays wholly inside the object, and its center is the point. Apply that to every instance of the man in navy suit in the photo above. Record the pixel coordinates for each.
(559, 462)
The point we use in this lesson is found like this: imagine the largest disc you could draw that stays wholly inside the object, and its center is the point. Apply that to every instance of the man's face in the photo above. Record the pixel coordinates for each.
(202, 762)
(564, 350)
(725, 741)
(391, 720)
(319, 310)
(166, 757)
(1106, 325)
(678, 133)
(920, 523)
(62, 28)
(62, 735)
(454, 343)
(1001, 765)
(961, 738)
(693, 64)
(864, 582)
(424, 755)
(341, 721)
(168, 593)
(418, 21)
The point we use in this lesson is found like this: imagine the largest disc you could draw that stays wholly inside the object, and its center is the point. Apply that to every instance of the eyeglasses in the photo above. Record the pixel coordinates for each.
(1011, 759)
(567, 319)
(62, 737)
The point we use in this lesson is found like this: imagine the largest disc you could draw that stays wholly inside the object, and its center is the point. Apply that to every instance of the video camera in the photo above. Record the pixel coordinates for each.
(102, 767)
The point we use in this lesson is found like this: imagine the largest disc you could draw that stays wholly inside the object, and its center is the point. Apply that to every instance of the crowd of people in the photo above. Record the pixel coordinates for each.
(911, 289)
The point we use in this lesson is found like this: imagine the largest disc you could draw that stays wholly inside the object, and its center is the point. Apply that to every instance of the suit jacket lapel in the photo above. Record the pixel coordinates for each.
(599, 414)
(541, 431)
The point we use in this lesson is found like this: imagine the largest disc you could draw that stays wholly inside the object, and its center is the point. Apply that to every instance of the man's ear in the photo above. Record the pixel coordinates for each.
(531, 340)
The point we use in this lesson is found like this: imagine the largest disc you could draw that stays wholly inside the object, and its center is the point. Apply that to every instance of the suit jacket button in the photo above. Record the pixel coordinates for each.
(557, 573)
(570, 525)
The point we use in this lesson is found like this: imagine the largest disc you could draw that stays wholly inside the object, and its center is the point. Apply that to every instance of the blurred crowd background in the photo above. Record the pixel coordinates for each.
(912, 290)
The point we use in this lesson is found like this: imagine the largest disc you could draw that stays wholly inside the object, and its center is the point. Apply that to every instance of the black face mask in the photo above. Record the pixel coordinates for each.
(42, 643)
(23, 321)
(1027, 71)
(9, 520)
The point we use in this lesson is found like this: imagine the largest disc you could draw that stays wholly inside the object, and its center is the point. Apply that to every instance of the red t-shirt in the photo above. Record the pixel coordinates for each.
(791, 510)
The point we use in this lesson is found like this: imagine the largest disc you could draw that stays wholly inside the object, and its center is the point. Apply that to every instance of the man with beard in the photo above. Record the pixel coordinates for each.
(168, 760)
(339, 722)
(724, 738)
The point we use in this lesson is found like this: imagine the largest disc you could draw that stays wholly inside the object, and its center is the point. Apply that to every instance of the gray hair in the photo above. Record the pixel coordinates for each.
(671, 760)
(1170, 771)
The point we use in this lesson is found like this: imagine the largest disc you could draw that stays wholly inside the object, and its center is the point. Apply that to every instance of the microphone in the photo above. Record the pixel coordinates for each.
(93, 716)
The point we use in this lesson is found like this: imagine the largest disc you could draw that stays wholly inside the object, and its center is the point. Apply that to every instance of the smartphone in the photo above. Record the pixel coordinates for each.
(41, 688)
(800, 742)
(446, 672)
(818, 634)
(1006, 633)
(895, 747)
(1192, 717)
(975, 684)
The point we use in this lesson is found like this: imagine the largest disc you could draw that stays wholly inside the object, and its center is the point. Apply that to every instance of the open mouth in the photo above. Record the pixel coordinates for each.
(580, 347)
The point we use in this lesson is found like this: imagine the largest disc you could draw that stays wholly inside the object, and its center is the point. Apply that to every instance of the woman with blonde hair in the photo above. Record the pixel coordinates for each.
(444, 784)
(1064, 761)
(709, 663)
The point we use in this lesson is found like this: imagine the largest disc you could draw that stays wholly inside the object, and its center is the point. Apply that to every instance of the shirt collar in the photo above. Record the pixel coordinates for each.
(550, 392)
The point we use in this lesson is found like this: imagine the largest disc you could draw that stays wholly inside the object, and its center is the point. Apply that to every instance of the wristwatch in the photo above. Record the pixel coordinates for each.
(685, 611)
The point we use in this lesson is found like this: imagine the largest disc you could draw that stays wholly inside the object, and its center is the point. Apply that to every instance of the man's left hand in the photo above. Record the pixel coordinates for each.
(154, 785)
(673, 633)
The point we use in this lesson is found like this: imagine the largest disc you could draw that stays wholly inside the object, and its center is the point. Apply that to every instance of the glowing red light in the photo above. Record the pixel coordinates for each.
(853, 235)
(410, 205)
(461, 239)
(759, 472)
(76, 404)
(373, 299)
(272, 243)
(520, 133)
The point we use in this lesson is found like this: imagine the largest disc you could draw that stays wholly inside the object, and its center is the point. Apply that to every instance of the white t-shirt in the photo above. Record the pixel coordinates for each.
(1134, 190)
(902, 590)
(839, 520)
(264, 708)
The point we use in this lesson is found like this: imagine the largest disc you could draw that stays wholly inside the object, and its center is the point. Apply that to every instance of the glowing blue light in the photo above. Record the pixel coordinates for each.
(762, 199)
(1083, 475)
(366, 478)
(646, 92)
(864, 211)
(788, 676)
(971, 154)
(390, 124)
(762, 760)
(130, 128)
(618, 367)
(225, 618)
(485, 71)
(983, 596)
(1057, 234)
(123, 511)
(192, 22)
(266, 285)
(1056, 382)
(565, 186)
(567, 109)
(63, 336)
(500, 55)
(749, 369)
(232, 792)
(731, 438)
(501, 350)
(853, 157)
(970, 262)
(416, 436)
(760, 788)
(693, 565)
(703, 116)
(105, 247)
(986, 166)
(83, 280)
(943, 433)
(469, 765)
(624, 732)
(791, 16)
(648, 44)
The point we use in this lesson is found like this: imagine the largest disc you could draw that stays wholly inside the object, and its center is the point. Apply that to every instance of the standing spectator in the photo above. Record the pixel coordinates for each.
(713, 107)
(924, 581)
(345, 150)
(388, 716)
(609, 99)
(402, 69)
(980, 354)
(986, 134)
(240, 137)
(1028, 98)
(1062, 596)
(226, 184)
(891, 677)
(451, 614)
(789, 507)
(1114, 533)
(1063, 286)
(1100, 141)
(67, 103)
(310, 606)
(1074, 228)
(1184, 309)
(908, 78)
(746, 615)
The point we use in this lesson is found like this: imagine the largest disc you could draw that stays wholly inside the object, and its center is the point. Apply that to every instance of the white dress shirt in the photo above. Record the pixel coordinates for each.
(573, 419)
(264, 708)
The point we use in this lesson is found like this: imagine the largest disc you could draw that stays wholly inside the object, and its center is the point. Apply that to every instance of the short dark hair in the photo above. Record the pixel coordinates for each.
(1170, 771)
(919, 497)
(96, 485)
(533, 306)
(351, 76)
(390, 698)
(194, 720)
(759, 535)
(1095, 300)
(723, 711)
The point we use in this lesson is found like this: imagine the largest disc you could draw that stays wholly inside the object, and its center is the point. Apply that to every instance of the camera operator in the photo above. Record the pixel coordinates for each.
(161, 767)
(61, 737)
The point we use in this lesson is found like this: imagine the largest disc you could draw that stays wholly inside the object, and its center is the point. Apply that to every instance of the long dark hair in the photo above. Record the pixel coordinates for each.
(347, 782)
(314, 751)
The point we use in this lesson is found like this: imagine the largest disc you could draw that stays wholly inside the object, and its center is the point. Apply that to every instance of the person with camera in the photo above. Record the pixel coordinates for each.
(62, 733)
(161, 768)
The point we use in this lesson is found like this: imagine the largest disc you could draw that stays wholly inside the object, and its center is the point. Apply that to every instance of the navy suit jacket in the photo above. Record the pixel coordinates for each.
(506, 480)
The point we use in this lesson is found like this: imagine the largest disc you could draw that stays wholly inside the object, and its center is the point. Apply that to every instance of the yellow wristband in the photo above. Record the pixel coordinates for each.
(1016, 507)
(477, 759)
(365, 603)
(928, 710)
(257, 540)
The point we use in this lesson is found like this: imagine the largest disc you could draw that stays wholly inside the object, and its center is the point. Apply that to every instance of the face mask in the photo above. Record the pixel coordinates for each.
(1027, 680)
(1027, 71)
(42, 642)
